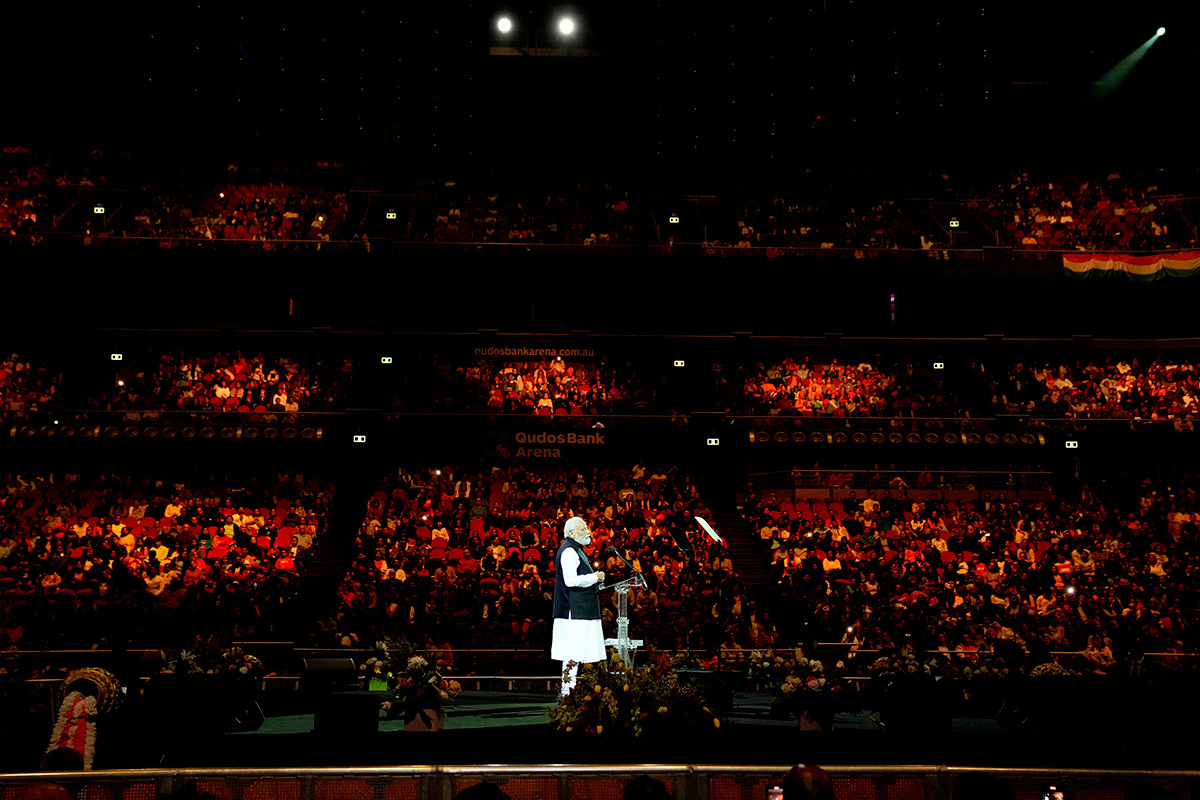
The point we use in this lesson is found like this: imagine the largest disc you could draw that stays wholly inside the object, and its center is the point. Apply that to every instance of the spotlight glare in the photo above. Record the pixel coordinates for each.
(566, 26)
(1160, 31)
(504, 25)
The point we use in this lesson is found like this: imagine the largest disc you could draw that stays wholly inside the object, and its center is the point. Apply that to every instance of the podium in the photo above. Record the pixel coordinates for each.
(623, 643)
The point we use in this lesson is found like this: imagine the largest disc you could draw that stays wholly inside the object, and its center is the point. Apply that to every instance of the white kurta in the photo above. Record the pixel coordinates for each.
(579, 640)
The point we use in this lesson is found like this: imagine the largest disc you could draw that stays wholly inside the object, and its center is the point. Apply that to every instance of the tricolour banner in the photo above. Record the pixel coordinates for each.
(1138, 268)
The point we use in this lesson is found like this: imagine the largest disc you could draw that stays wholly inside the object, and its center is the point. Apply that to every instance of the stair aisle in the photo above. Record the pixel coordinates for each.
(749, 563)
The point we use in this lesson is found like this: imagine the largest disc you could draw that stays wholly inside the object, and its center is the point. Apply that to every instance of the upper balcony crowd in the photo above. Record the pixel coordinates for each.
(282, 381)
(97, 198)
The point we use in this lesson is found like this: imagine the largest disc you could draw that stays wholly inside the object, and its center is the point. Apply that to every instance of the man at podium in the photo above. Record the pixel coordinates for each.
(578, 637)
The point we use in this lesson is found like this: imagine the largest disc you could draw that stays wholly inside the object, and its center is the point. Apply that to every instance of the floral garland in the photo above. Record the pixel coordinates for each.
(76, 727)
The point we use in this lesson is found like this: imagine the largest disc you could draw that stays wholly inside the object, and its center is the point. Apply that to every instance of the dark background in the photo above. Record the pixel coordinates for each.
(734, 88)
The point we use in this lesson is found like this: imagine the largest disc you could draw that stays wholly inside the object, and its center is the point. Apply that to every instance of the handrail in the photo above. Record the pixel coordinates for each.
(707, 248)
(632, 769)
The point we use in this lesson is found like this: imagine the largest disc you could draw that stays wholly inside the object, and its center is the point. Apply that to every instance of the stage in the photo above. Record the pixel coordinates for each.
(512, 727)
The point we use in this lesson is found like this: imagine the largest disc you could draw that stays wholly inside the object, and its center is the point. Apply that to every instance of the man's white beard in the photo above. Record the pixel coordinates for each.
(585, 540)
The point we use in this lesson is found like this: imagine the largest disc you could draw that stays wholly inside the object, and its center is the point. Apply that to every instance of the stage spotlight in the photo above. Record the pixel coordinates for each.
(566, 26)
(1111, 80)
(504, 25)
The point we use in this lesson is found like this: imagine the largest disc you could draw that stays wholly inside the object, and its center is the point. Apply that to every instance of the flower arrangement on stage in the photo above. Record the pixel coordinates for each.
(904, 666)
(240, 664)
(982, 667)
(414, 683)
(804, 688)
(209, 660)
(614, 700)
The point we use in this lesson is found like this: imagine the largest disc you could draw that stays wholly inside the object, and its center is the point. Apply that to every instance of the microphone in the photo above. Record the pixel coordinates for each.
(639, 580)
(617, 553)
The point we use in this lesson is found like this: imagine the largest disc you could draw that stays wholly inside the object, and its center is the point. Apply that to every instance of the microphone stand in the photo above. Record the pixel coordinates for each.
(685, 549)
(623, 643)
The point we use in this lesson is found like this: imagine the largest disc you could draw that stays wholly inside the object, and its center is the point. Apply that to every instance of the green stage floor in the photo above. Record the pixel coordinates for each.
(516, 709)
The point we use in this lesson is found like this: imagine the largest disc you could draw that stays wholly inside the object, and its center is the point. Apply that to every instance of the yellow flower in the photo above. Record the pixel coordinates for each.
(716, 722)
(662, 709)
(597, 689)
(569, 729)
(599, 729)
(625, 688)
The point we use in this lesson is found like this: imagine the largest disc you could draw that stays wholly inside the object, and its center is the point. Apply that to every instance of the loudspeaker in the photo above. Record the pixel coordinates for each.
(329, 675)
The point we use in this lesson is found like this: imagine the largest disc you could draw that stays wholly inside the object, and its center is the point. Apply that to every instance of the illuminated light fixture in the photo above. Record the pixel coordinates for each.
(938, 365)
(116, 356)
(120, 383)
(1070, 590)
(566, 26)
(437, 472)
(713, 441)
(1116, 75)
(385, 360)
(673, 219)
(98, 209)
(953, 222)
(390, 214)
(359, 438)
(679, 362)
(221, 195)
(504, 25)
(1071, 444)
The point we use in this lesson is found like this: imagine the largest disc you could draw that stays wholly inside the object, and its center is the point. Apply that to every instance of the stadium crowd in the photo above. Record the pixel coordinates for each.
(266, 213)
(1107, 581)
(1031, 211)
(123, 556)
(229, 381)
(586, 214)
(175, 381)
(196, 379)
(808, 388)
(25, 385)
(1064, 213)
(1126, 389)
(551, 386)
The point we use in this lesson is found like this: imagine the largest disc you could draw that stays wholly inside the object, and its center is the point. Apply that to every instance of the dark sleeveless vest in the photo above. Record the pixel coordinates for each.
(574, 602)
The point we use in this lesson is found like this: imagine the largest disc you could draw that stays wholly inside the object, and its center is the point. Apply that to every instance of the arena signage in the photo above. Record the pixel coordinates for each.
(524, 439)
(534, 352)
(540, 444)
